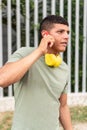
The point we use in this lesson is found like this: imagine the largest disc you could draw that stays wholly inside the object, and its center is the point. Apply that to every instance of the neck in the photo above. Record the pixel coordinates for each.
(51, 51)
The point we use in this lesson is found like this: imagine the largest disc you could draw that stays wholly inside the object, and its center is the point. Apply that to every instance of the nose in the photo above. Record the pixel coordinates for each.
(66, 35)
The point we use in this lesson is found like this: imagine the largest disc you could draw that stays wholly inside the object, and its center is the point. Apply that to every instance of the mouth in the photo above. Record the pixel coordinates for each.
(64, 44)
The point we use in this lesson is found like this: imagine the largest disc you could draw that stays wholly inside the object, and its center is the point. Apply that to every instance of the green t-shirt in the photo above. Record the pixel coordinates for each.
(37, 94)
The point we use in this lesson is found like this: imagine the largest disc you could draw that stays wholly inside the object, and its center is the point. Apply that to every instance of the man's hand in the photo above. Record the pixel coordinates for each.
(46, 44)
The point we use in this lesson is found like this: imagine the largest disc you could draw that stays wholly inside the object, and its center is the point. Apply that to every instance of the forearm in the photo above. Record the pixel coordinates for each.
(65, 118)
(12, 72)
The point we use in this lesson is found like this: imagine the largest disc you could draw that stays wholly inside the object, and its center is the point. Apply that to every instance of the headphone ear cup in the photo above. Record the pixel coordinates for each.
(58, 61)
(52, 60)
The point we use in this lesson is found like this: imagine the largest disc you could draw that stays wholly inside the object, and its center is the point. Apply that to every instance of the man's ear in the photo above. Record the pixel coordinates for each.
(44, 33)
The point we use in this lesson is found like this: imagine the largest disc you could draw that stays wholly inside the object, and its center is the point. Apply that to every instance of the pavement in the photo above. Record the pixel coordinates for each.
(78, 126)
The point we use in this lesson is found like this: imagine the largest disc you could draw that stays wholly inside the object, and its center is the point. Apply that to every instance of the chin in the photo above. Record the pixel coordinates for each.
(63, 49)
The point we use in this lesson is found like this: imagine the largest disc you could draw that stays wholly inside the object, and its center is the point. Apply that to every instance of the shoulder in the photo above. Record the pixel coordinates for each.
(20, 53)
(23, 51)
(64, 65)
(64, 69)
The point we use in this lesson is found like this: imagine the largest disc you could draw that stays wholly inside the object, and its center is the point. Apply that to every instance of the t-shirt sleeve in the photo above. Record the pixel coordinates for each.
(14, 57)
(19, 54)
(65, 89)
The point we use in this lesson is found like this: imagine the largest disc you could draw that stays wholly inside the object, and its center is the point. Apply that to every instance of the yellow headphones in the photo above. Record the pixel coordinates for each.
(53, 60)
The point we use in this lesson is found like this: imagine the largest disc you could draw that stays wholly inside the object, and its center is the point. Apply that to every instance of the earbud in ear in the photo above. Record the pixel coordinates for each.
(45, 33)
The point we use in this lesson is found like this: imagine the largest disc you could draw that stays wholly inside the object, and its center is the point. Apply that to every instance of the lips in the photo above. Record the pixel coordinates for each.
(64, 44)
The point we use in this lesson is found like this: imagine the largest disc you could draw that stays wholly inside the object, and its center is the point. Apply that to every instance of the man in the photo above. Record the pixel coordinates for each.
(40, 90)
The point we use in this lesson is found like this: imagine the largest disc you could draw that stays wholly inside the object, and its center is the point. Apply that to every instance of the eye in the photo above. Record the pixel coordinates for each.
(68, 32)
(60, 31)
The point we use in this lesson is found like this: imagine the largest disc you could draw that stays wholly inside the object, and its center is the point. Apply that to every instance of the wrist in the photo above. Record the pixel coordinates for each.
(40, 51)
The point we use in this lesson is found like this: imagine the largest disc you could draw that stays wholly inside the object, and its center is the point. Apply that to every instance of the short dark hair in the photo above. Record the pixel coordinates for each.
(48, 22)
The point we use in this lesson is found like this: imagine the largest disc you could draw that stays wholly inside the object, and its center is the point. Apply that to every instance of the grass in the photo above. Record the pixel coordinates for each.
(78, 114)
(6, 120)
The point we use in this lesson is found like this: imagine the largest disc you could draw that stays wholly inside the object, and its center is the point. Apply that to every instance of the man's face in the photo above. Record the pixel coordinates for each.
(60, 32)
